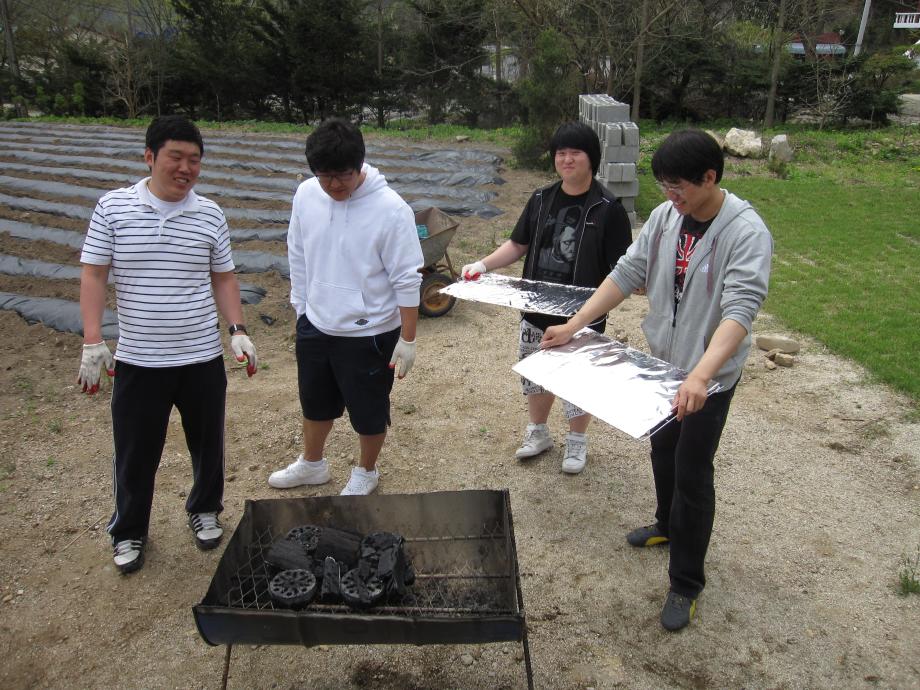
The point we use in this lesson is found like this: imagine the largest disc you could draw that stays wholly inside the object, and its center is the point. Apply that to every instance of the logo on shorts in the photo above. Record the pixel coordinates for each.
(361, 322)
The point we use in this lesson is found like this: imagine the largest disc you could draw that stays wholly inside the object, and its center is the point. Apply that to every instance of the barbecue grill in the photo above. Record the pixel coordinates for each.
(461, 543)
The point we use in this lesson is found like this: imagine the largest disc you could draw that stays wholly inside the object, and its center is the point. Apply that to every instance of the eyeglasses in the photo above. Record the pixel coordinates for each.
(677, 189)
(341, 178)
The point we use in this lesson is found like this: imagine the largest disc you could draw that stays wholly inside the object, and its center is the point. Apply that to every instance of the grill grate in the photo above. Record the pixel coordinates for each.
(456, 575)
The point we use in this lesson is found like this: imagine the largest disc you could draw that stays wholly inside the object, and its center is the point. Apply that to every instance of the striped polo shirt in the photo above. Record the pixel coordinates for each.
(161, 267)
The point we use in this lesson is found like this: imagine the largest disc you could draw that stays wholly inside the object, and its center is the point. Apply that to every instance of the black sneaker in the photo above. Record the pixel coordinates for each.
(677, 611)
(649, 535)
(207, 529)
(128, 555)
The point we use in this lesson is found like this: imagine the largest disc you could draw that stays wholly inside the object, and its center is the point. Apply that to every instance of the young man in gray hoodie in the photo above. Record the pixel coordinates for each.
(704, 258)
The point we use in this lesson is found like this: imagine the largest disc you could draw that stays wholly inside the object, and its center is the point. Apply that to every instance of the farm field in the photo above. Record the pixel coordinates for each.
(818, 473)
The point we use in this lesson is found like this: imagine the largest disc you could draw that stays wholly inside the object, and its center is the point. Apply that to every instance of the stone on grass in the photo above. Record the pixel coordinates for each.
(780, 149)
(777, 342)
(743, 142)
(769, 364)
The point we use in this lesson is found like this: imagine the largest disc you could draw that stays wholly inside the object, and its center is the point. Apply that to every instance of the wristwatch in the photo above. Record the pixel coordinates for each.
(237, 328)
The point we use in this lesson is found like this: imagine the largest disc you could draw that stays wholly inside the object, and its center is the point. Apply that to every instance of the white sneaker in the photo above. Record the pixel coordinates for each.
(361, 482)
(207, 529)
(576, 453)
(299, 473)
(536, 440)
(128, 555)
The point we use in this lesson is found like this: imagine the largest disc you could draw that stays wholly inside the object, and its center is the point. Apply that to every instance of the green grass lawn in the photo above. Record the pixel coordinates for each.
(846, 227)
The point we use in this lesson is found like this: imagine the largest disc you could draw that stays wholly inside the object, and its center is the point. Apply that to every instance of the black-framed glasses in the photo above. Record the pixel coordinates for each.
(340, 177)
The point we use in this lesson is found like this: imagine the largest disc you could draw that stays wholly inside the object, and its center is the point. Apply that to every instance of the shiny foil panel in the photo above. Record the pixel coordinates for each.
(626, 388)
(518, 293)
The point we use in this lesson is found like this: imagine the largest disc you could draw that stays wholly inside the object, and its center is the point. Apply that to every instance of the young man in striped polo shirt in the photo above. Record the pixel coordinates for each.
(168, 251)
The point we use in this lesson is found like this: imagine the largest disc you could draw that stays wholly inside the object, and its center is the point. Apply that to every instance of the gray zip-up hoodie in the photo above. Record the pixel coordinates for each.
(727, 278)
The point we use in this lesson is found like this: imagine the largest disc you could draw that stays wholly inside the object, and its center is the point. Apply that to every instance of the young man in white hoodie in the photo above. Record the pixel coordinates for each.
(704, 257)
(354, 254)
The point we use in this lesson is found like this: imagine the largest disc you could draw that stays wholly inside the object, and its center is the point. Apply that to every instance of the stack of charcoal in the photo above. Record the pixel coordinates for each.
(338, 565)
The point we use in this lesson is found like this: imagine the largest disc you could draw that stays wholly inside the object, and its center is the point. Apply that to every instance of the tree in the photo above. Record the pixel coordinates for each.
(445, 55)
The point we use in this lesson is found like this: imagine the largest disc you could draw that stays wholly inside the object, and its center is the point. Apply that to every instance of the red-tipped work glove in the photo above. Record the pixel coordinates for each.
(473, 271)
(95, 357)
(245, 351)
(405, 354)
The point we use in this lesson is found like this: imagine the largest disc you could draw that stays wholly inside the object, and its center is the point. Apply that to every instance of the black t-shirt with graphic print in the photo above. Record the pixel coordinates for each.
(555, 257)
(691, 232)
(559, 242)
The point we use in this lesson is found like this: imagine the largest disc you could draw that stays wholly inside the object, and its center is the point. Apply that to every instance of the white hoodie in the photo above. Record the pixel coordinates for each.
(354, 262)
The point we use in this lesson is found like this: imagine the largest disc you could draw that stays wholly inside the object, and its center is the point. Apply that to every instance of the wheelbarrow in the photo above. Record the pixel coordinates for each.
(440, 231)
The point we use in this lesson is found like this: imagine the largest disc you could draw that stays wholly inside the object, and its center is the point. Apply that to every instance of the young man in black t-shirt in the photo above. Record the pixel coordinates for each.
(572, 233)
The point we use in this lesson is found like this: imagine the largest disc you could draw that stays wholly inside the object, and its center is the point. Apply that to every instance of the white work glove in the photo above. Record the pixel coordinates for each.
(94, 358)
(473, 271)
(243, 350)
(405, 352)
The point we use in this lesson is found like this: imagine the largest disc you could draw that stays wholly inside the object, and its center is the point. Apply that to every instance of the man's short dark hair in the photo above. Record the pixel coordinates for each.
(577, 135)
(335, 145)
(175, 127)
(686, 155)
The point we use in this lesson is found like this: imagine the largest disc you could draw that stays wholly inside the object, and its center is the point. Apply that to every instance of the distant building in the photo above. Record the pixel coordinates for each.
(825, 45)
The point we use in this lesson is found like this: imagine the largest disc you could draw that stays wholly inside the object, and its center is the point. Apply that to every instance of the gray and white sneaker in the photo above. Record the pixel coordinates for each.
(300, 473)
(576, 453)
(361, 482)
(536, 440)
(128, 555)
(207, 529)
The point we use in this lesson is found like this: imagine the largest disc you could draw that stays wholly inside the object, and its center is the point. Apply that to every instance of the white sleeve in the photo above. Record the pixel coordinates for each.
(296, 261)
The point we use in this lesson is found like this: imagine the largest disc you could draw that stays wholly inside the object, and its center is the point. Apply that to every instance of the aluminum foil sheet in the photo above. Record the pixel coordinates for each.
(626, 388)
(527, 295)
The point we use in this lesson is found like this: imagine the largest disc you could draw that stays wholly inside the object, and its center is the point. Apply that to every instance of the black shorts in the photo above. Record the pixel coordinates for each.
(337, 372)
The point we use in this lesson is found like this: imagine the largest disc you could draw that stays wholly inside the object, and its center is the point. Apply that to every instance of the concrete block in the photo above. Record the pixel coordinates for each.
(629, 203)
(630, 134)
(613, 135)
(620, 172)
(612, 172)
(624, 189)
(620, 154)
(613, 112)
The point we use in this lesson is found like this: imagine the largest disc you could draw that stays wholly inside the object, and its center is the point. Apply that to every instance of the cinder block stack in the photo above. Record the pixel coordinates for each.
(619, 139)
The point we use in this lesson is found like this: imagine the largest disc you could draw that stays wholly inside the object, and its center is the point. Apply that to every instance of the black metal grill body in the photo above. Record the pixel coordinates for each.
(462, 548)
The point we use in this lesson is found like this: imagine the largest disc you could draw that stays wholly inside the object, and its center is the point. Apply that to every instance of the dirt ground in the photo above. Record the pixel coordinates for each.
(818, 490)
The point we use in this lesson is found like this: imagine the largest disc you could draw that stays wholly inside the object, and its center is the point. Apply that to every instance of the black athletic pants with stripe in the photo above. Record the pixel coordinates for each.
(142, 399)
(682, 454)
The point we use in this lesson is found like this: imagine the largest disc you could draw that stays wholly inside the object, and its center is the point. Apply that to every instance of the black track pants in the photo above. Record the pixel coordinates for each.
(142, 399)
(682, 454)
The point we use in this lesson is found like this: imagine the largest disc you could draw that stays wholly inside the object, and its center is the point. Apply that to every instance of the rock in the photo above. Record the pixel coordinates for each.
(769, 364)
(461, 138)
(771, 355)
(777, 342)
(718, 137)
(780, 149)
(743, 142)
(466, 659)
(784, 360)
